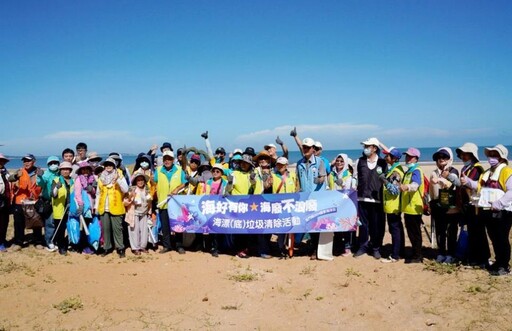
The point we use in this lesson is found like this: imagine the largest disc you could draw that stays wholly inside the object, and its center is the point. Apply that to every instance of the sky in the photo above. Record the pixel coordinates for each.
(123, 75)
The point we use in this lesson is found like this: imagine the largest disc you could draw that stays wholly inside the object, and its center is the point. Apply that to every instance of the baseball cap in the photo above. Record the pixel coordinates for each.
(308, 142)
(168, 153)
(28, 157)
(268, 146)
(411, 151)
(394, 152)
(371, 141)
(282, 160)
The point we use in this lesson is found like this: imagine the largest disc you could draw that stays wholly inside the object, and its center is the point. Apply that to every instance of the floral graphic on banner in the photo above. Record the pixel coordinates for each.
(321, 211)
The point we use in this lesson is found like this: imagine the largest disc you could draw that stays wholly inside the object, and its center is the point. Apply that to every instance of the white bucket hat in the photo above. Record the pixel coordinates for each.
(468, 148)
(502, 151)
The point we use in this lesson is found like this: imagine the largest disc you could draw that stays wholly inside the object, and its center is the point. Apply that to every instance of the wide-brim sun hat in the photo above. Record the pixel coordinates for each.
(2, 157)
(441, 152)
(249, 151)
(261, 155)
(66, 165)
(143, 157)
(138, 174)
(109, 161)
(502, 151)
(166, 145)
(247, 159)
(93, 156)
(204, 165)
(52, 159)
(219, 167)
(84, 165)
(468, 148)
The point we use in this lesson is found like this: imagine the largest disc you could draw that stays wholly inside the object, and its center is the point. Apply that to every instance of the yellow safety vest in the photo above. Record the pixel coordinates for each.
(505, 173)
(115, 198)
(289, 185)
(412, 202)
(164, 187)
(242, 183)
(59, 202)
(392, 202)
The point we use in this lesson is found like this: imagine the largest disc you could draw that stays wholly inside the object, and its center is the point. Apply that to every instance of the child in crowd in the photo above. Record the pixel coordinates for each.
(138, 214)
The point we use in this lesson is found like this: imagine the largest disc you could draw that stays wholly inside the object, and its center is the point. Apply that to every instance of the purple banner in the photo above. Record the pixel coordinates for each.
(321, 211)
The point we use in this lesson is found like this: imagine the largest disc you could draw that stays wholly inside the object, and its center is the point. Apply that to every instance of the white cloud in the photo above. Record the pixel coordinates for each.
(88, 135)
(308, 130)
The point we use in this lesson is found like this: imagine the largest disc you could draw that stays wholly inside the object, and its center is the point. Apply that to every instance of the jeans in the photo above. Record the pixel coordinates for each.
(396, 230)
(49, 230)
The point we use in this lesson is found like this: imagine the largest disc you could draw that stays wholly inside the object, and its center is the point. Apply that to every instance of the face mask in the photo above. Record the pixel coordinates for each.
(53, 167)
(367, 152)
(467, 163)
(94, 164)
(493, 161)
(411, 165)
(144, 165)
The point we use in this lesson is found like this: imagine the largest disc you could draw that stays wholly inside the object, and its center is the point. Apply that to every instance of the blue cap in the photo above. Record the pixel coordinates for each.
(394, 152)
(51, 159)
(28, 157)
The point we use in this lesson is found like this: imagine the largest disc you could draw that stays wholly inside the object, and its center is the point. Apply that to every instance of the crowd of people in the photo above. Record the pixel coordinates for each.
(128, 204)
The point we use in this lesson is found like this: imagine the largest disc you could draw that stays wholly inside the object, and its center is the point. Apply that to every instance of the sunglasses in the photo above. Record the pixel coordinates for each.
(217, 170)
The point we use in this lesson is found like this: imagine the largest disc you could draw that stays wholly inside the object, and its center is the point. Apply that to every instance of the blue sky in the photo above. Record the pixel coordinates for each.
(122, 75)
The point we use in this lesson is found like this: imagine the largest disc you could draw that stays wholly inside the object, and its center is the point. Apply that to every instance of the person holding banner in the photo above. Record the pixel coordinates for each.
(284, 181)
(169, 179)
(263, 185)
(215, 185)
(340, 178)
(311, 177)
(242, 182)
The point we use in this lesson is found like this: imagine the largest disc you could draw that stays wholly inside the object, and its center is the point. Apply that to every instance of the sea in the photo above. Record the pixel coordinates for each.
(293, 156)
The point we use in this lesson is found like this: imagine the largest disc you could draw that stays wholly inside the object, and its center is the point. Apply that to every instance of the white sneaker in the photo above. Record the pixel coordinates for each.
(51, 248)
(389, 260)
(449, 260)
(440, 258)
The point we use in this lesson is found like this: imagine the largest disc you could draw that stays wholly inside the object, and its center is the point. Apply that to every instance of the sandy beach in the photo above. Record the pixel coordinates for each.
(46, 291)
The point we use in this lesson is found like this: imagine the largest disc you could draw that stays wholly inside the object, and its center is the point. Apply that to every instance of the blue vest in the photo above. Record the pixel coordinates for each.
(307, 171)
